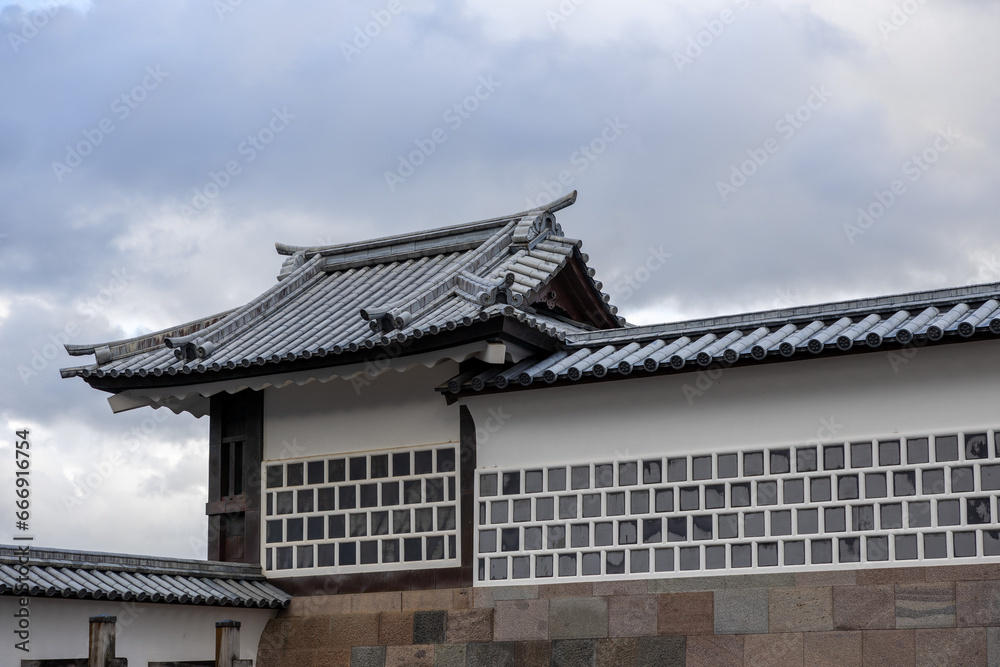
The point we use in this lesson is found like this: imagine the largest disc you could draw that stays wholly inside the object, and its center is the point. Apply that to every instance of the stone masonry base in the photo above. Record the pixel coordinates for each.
(945, 615)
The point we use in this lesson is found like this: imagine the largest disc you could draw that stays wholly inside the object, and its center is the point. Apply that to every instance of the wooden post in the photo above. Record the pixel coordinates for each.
(227, 645)
(102, 641)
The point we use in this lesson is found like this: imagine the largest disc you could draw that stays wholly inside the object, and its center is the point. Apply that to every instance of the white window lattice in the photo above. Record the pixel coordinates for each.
(361, 512)
(894, 500)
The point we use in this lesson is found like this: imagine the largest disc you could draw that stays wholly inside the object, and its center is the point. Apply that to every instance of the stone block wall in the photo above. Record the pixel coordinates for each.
(944, 615)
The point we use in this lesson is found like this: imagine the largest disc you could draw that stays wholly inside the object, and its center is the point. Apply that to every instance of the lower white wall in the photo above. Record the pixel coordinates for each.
(145, 632)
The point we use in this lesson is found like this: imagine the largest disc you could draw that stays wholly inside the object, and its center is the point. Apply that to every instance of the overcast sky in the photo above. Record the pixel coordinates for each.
(152, 152)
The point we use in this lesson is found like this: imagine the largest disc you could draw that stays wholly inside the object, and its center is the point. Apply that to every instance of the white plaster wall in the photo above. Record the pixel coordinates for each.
(390, 410)
(145, 632)
(944, 389)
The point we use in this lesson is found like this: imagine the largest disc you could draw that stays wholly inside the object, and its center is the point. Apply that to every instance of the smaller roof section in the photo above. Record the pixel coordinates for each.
(103, 576)
(341, 300)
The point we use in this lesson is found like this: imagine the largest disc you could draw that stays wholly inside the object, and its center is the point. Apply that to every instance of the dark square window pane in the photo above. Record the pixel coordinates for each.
(423, 520)
(702, 527)
(627, 474)
(888, 453)
(488, 541)
(875, 485)
(850, 549)
(359, 525)
(628, 532)
(991, 542)
(651, 472)
(805, 459)
(293, 530)
(819, 489)
(604, 475)
(664, 560)
(380, 523)
(739, 494)
(932, 481)
(326, 555)
(533, 537)
(412, 549)
(304, 500)
(434, 490)
(423, 462)
(567, 565)
(522, 510)
(729, 526)
(847, 487)
(690, 498)
(781, 522)
(369, 553)
(863, 517)
(808, 521)
(555, 537)
(591, 564)
(348, 497)
(498, 569)
(315, 526)
(795, 553)
(533, 481)
(451, 489)
(275, 532)
(793, 491)
(664, 500)
(949, 513)
(284, 558)
(715, 496)
(821, 551)
(510, 539)
(978, 510)
(728, 465)
(557, 479)
(690, 558)
(488, 484)
(567, 507)
(580, 476)
(677, 529)
(767, 554)
(591, 505)
(835, 519)
(701, 467)
(327, 498)
(639, 502)
(892, 516)
(294, 474)
(906, 547)
(369, 495)
(337, 525)
(359, 467)
(401, 465)
(904, 483)
(990, 477)
(861, 455)
(741, 555)
(615, 503)
(390, 551)
(390, 493)
(511, 483)
(753, 463)
(753, 524)
(543, 565)
(380, 468)
(935, 545)
(715, 557)
(275, 476)
(945, 449)
(337, 470)
(545, 509)
(400, 521)
(976, 447)
(270, 503)
(283, 502)
(411, 491)
(780, 461)
(521, 567)
(833, 457)
(918, 514)
(652, 530)
(445, 460)
(639, 560)
(445, 518)
(917, 451)
(677, 470)
(767, 493)
(962, 479)
(579, 535)
(964, 544)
